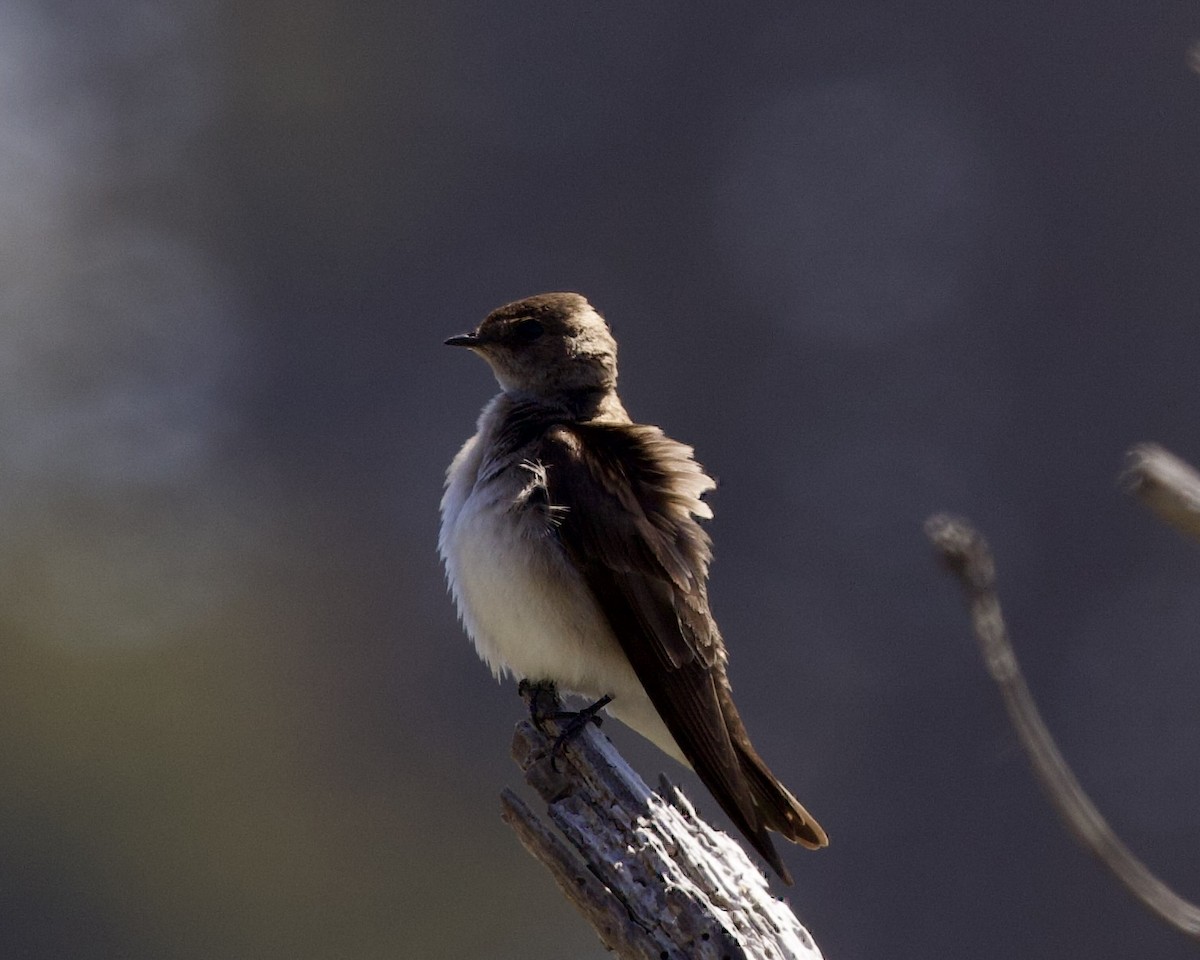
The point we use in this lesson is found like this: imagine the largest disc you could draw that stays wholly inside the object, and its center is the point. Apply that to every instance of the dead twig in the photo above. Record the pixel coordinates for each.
(1167, 485)
(967, 555)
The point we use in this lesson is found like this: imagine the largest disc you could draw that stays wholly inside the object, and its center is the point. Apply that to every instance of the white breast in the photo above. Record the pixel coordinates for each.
(525, 608)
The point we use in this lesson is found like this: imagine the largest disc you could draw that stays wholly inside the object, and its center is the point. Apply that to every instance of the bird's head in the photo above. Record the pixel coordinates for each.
(550, 347)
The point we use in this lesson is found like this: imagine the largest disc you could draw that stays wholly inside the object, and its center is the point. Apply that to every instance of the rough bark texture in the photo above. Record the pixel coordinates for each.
(653, 879)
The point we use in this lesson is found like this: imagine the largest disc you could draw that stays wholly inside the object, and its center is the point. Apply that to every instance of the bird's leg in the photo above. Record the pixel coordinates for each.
(542, 697)
(574, 721)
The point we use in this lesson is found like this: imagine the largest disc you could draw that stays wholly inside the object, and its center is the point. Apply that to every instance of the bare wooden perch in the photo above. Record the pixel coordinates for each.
(1167, 485)
(654, 880)
(966, 554)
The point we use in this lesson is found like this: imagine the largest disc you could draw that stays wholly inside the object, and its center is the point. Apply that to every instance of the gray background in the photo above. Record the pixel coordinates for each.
(872, 259)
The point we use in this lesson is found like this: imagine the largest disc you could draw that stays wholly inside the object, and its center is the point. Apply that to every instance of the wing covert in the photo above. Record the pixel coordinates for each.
(627, 500)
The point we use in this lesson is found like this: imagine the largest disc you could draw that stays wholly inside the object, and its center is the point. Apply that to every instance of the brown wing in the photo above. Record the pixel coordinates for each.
(626, 499)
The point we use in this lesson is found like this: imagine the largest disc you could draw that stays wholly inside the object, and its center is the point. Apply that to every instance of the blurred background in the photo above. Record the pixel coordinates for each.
(873, 260)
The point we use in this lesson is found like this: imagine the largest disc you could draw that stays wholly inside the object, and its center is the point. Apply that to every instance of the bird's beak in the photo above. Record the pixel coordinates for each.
(463, 340)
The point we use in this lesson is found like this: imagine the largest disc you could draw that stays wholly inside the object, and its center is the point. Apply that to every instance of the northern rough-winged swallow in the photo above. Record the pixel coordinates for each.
(572, 548)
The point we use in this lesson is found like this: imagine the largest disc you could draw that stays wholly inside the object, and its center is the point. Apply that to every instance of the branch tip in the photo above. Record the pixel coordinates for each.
(962, 549)
(1166, 484)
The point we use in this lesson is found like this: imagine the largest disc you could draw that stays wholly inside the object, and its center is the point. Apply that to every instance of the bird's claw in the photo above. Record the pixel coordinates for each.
(544, 705)
(573, 723)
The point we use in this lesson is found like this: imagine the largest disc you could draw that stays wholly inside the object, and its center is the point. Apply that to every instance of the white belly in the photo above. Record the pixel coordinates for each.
(527, 611)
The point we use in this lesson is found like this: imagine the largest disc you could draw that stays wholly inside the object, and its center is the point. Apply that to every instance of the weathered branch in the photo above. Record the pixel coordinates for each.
(966, 553)
(653, 879)
(1167, 485)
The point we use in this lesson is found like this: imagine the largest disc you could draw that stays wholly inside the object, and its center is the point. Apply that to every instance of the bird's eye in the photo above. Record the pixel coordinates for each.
(526, 330)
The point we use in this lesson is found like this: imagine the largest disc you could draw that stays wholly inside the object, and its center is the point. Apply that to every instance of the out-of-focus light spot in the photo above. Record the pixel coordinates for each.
(119, 351)
(854, 210)
(117, 331)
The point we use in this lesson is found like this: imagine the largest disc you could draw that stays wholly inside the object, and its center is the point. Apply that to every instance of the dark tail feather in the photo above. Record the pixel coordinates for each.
(760, 839)
(774, 809)
(779, 810)
(774, 806)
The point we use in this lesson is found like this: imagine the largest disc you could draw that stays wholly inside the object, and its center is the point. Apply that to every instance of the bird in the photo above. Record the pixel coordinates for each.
(572, 546)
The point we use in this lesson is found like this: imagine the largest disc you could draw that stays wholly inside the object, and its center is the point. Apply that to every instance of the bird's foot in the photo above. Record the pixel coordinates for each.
(544, 705)
(574, 722)
(542, 697)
